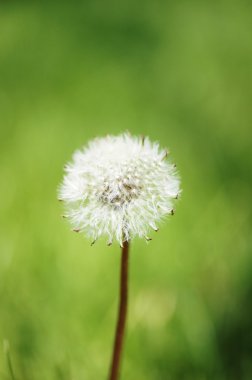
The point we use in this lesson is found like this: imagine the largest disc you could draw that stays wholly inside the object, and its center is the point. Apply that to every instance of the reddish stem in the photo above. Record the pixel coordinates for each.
(122, 312)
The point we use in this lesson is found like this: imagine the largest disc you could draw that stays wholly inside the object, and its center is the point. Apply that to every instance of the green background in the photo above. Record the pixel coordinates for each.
(181, 73)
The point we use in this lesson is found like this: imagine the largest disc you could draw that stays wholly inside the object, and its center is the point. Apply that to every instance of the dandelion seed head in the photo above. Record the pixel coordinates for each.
(119, 186)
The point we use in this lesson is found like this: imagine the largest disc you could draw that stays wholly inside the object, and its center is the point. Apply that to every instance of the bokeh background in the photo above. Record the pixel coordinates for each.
(180, 72)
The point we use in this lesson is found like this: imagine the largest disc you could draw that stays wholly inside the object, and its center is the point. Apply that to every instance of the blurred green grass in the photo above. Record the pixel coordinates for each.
(180, 73)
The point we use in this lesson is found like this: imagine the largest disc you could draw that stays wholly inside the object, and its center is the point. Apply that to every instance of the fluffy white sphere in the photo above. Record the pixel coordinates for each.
(119, 186)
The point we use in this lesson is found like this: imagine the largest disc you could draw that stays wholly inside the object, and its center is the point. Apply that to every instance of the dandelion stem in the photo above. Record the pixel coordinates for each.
(122, 312)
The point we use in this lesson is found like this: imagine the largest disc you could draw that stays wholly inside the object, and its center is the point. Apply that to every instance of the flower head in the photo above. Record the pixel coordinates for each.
(119, 186)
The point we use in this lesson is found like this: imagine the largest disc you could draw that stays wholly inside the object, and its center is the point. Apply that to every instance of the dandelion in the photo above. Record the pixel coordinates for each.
(119, 187)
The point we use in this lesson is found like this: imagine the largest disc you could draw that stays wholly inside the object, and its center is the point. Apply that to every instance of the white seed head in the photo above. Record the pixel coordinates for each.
(119, 186)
